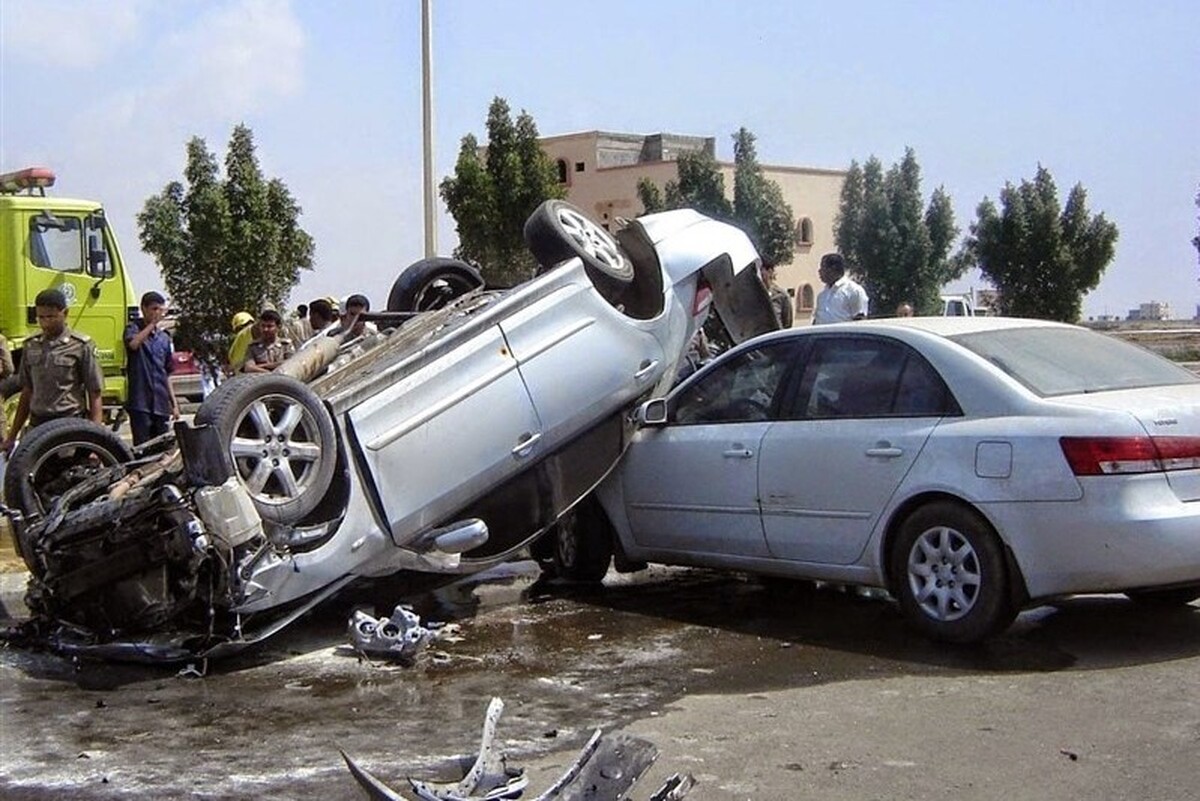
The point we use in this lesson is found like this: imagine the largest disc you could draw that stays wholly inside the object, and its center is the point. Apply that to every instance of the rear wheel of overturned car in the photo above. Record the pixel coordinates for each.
(278, 439)
(558, 231)
(579, 547)
(949, 574)
(431, 284)
(54, 457)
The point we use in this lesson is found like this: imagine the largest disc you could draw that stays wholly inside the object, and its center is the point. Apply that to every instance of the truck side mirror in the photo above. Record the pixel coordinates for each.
(98, 265)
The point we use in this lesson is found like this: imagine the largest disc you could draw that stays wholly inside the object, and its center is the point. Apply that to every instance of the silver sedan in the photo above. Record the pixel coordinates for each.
(969, 466)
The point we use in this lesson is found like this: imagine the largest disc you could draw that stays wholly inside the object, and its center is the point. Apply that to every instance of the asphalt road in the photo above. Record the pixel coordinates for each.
(760, 692)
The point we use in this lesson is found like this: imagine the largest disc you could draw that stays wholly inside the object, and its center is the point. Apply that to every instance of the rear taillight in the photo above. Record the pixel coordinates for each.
(1100, 456)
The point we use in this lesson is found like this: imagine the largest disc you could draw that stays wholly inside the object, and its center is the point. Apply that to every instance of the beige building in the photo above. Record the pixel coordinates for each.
(601, 171)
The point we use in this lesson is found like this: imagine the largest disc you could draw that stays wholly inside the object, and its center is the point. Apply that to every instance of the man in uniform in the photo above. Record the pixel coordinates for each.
(152, 403)
(60, 375)
(269, 350)
(6, 371)
(781, 302)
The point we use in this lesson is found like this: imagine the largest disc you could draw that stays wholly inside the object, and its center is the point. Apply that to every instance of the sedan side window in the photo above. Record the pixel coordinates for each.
(741, 389)
(855, 377)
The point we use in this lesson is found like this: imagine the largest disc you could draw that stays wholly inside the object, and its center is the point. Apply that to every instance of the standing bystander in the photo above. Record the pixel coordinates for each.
(59, 374)
(270, 350)
(6, 372)
(842, 298)
(152, 403)
(781, 304)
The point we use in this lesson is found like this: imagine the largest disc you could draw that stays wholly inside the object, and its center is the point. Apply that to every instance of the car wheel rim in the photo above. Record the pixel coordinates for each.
(567, 548)
(592, 239)
(276, 447)
(62, 467)
(944, 574)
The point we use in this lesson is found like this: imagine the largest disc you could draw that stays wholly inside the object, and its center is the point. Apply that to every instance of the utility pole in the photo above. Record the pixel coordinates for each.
(427, 126)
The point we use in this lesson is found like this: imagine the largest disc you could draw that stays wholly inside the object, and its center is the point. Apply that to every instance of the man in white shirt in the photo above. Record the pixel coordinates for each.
(842, 298)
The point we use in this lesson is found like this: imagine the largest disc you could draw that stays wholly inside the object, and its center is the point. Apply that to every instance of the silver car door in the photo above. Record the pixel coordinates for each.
(863, 411)
(447, 432)
(692, 484)
(581, 359)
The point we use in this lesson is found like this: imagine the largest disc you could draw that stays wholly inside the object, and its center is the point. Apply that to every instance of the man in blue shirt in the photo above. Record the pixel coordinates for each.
(151, 404)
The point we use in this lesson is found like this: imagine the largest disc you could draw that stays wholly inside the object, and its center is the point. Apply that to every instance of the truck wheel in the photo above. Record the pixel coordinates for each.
(55, 456)
(558, 231)
(278, 439)
(431, 284)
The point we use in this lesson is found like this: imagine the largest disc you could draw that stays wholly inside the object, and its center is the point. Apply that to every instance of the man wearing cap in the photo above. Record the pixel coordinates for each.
(152, 403)
(59, 374)
(270, 350)
(243, 335)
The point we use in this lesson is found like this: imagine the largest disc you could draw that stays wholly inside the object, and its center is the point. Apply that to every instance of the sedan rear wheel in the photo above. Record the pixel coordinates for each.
(949, 574)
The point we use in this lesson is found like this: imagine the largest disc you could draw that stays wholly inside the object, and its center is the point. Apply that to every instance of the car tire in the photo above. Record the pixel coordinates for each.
(581, 544)
(949, 574)
(558, 231)
(278, 439)
(1165, 599)
(37, 469)
(431, 284)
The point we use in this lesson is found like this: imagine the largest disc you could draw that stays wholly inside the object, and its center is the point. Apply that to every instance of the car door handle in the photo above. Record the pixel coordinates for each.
(646, 369)
(885, 451)
(525, 445)
(738, 453)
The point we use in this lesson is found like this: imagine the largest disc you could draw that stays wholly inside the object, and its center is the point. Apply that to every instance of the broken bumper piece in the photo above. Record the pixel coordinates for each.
(605, 770)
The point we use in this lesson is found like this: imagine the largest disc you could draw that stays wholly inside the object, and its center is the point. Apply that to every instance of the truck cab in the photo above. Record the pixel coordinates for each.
(66, 244)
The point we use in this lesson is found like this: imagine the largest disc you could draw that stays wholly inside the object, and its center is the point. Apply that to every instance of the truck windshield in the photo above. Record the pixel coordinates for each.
(56, 243)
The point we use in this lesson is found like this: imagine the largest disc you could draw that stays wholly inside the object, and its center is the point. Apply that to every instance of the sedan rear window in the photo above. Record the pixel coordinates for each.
(1068, 361)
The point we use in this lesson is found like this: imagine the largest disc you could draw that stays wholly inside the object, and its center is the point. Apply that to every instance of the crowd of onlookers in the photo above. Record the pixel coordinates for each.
(60, 377)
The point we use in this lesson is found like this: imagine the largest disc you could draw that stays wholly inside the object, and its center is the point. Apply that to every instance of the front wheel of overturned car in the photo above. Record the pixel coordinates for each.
(278, 439)
(55, 456)
(579, 547)
(557, 231)
(949, 574)
(431, 284)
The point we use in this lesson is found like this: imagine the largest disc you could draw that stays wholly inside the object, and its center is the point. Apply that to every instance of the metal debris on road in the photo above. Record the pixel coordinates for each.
(605, 769)
(399, 637)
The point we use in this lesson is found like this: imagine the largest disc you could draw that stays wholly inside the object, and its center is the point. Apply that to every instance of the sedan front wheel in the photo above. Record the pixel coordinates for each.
(949, 574)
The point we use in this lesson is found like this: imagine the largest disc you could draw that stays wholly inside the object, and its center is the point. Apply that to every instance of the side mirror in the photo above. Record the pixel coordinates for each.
(652, 413)
(98, 263)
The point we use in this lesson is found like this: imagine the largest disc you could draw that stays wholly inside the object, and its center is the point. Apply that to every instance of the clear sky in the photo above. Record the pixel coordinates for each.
(1106, 94)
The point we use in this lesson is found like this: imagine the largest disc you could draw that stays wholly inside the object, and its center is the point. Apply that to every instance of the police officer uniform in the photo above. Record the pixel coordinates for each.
(260, 352)
(59, 373)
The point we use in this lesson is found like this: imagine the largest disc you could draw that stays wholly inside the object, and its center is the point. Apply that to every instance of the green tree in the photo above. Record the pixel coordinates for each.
(223, 246)
(1041, 256)
(758, 205)
(898, 249)
(491, 195)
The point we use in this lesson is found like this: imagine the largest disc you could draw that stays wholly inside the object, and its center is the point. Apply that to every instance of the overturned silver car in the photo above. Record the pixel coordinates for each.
(445, 443)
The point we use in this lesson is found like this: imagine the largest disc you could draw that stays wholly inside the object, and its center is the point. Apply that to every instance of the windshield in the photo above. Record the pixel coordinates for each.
(1066, 361)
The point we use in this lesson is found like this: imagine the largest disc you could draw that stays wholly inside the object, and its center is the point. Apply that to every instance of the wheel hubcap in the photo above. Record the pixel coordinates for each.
(944, 574)
(276, 446)
(592, 239)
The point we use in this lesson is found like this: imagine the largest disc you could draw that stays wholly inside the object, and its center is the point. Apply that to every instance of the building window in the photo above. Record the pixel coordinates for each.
(804, 231)
(562, 171)
(805, 301)
(579, 166)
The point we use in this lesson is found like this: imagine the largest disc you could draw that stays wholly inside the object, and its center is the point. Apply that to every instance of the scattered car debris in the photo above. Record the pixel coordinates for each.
(400, 637)
(605, 769)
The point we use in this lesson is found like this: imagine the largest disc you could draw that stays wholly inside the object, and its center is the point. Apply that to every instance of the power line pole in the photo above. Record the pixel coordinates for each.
(427, 126)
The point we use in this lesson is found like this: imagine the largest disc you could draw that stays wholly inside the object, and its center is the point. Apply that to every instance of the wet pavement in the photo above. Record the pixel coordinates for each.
(268, 724)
